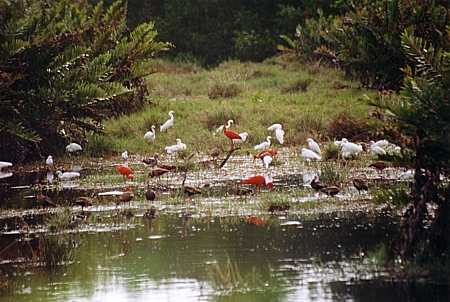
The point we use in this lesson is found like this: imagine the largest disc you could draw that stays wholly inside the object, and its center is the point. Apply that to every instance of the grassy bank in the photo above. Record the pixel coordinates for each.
(309, 100)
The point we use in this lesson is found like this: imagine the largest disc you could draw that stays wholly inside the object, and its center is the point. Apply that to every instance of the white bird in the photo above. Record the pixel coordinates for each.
(125, 155)
(220, 129)
(73, 147)
(150, 135)
(279, 134)
(310, 155)
(382, 143)
(67, 175)
(337, 143)
(175, 148)
(4, 164)
(267, 160)
(264, 145)
(407, 175)
(49, 161)
(168, 123)
(313, 146)
(397, 150)
(243, 136)
(348, 148)
(376, 149)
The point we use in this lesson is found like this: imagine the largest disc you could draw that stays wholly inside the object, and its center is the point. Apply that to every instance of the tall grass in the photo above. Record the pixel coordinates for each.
(306, 99)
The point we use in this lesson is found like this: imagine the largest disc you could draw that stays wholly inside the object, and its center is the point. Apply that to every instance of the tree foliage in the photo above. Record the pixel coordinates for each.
(64, 67)
(421, 125)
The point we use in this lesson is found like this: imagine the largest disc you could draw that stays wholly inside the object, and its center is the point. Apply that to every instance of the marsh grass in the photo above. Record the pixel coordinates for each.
(303, 98)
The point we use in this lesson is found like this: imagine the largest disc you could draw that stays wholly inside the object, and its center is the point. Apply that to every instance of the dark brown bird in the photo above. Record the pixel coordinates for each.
(168, 167)
(379, 166)
(157, 172)
(149, 194)
(331, 191)
(240, 191)
(43, 200)
(189, 190)
(360, 185)
(317, 185)
(82, 201)
(151, 161)
(215, 153)
(126, 196)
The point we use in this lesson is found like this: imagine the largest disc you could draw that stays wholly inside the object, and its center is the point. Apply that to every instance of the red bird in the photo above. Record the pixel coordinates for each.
(126, 172)
(259, 180)
(231, 135)
(264, 152)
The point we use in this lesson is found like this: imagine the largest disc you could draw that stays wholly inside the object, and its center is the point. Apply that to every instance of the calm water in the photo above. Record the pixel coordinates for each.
(191, 253)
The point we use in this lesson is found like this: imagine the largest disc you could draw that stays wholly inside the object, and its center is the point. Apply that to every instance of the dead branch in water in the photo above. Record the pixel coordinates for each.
(228, 156)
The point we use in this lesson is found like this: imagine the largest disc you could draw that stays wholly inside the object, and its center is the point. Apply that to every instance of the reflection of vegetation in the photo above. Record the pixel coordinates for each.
(55, 251)
(59, 221)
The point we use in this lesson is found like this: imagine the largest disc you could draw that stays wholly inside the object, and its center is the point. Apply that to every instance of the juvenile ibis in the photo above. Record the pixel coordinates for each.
(43, 200)
(82, 201)
(168, 123)
(231, 135)
(331, 191)
(264, 145)
(310, 155)
(314, 146)
(150, 135)
(258, 181)
(126, 172)
(379, 166)
(189, 190)
(149, 194)
(360, 184)
(317, 185)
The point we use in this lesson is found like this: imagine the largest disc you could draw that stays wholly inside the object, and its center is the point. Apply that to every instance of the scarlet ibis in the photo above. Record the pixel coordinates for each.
(82, 201)
(189, 190)
(376, 149)
(151, 161)
(125, 155)
(264, 145)
(126, 172)
(258, 181)
(236, 190)
(231, 135)
(73, 147)
(228, 126)
(317, 185)
(360, 184)
(149, 194)
(331, 191)
(266, 159)
(379, 166)
(256, 221)
(49, 161)
(43, 200)
(168, 123)
(310, 155)
(348, 149)
(150, 135)
(263, 152)
(157, 172)
(314, 146)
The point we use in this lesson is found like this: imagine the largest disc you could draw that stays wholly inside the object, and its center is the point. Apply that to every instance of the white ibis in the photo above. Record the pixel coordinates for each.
(376, 148)
(73, 147)
(314, 146)
(49, 161)
(264, 145)
(150, 135)
(279, 133)
(168, 123)
(310, 155)
(220, 128)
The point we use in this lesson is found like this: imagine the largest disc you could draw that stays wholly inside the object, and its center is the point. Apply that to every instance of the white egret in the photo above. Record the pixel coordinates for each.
(310, 155)
(313, 146)
(168, 123)
(150, 135)
(263, 145)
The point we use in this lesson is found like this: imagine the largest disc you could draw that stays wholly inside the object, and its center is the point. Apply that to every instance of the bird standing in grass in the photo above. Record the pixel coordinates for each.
(151, 161)
(189, 190)
(279, 133)
(317, 185)
(236, 190)
(258, 181)
(360, 185)
(43, 200)
(82, 201)
(314, 146)
(264, 145)
(126, 196)
(150, 135)
(379, 166)
(126, 172)
(215, 153)
(310, 155)
(168, 123)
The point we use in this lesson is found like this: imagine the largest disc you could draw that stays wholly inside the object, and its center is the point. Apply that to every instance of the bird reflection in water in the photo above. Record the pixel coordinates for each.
(150, 215)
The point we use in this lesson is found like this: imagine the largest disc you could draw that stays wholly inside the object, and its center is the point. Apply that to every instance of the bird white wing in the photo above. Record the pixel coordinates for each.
(310, 154)
(274, 127)
(279, 135)
(314, 146)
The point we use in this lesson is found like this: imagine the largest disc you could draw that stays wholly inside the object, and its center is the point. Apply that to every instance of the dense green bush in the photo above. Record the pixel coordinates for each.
(64, 67)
